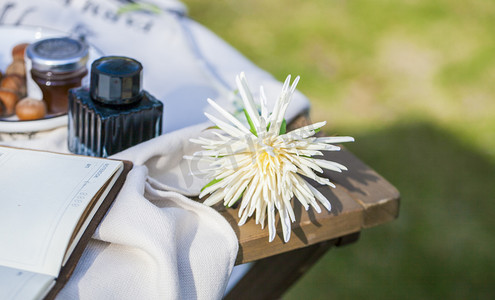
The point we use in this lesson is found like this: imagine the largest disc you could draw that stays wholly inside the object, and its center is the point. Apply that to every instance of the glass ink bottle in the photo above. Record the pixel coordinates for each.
(57, 65)
(115, 113)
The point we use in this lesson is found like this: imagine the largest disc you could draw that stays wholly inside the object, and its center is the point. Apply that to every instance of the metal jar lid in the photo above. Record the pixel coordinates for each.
(58, 55)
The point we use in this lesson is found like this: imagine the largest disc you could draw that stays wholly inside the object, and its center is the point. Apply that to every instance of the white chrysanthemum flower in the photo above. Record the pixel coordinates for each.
(262, 165)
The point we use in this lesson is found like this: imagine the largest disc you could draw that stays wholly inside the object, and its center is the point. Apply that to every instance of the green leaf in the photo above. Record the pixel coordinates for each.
(211, 183)
(251, 125)
(146, 7)
(283, 127)
(211, 127)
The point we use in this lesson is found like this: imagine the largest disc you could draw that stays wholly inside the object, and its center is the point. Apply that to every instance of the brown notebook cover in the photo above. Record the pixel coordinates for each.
(67, 270)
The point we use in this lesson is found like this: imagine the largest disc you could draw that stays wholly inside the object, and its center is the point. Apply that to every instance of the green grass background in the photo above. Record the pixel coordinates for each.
(414, 82)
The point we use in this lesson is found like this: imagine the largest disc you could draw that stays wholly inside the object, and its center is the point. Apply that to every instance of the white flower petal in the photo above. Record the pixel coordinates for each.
(231, 130)
(229, 117)
(243, 218)
(271, 222)
(285, 221)
(330, 165)
(247, 99)
(275, 126)
(294, 182)
(214, 198)
(264, 105)
(211, 188)
(335, 139)
(248, 195)
(294, 85)
(237, 192)
(304, 132)
(320, 197)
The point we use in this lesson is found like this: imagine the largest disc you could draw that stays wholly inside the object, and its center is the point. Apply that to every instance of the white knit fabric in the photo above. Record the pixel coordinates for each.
(155, 242)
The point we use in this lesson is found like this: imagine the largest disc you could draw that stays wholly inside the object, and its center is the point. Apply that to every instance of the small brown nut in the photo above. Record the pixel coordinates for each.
(18, 51)
(9, 99)
(14, 83)
(17, 67)
(30, 109)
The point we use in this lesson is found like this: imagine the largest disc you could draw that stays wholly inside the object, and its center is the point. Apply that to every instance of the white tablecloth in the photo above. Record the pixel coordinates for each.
(155, 242)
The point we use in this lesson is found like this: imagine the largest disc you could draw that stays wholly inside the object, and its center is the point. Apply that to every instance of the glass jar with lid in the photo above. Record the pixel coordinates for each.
(57, 65)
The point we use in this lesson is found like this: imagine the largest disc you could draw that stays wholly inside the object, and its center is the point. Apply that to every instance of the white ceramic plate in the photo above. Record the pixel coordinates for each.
(11, 36)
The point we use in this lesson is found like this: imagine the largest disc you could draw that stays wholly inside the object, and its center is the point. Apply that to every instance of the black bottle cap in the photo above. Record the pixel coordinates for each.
(116, 80)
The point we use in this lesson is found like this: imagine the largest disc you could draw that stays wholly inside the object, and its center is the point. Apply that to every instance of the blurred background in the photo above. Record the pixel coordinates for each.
(414, 82)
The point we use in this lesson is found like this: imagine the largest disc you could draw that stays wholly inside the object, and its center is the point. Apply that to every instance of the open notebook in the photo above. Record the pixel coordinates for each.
(50, 205)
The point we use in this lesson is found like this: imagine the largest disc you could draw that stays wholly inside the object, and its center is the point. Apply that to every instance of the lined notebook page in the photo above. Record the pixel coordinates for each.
(42, 197)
